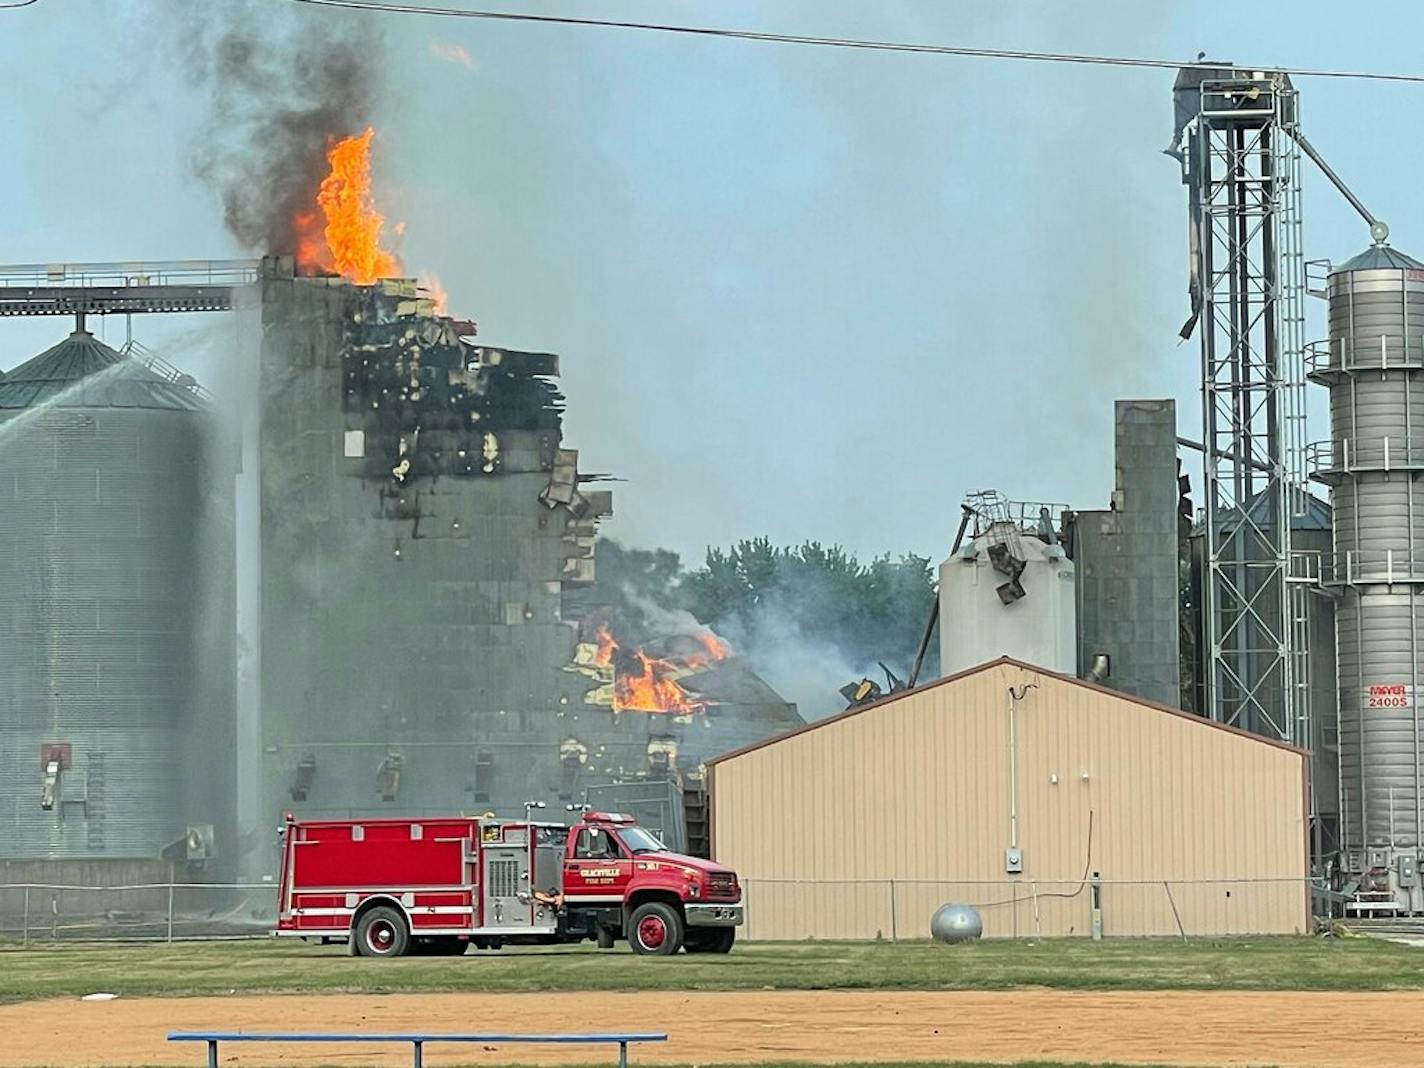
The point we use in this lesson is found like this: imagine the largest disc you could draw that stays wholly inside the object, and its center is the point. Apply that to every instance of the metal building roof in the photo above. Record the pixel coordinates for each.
(83, 372)
(1009, 661)
(1379, 258)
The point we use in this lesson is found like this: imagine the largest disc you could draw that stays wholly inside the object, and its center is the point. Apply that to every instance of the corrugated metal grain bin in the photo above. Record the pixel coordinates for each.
(115, 738)
(1029, 794)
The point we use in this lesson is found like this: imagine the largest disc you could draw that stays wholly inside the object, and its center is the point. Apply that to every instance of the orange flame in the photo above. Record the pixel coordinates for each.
(650, 690)
(642, 683)
(435, 290)
(606, 647)
(716, 649)
(353, 225)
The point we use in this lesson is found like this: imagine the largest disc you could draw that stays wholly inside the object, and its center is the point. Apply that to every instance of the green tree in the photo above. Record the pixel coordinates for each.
(760, 594)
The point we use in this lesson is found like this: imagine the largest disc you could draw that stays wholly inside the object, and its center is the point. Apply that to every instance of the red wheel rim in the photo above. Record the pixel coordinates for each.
(652, 931)
(380, 936)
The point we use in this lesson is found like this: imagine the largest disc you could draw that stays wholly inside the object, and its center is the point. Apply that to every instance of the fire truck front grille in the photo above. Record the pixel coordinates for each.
(502, 878)
(722, 884)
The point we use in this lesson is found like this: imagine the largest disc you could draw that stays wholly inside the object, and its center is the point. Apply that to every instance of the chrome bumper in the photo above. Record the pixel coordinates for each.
(709, 915)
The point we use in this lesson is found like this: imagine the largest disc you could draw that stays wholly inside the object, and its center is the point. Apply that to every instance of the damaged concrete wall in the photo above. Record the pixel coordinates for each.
(1128, 558)
(420, 520)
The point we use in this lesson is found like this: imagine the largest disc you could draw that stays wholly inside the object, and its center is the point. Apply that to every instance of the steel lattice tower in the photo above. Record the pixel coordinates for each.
(1242, 167)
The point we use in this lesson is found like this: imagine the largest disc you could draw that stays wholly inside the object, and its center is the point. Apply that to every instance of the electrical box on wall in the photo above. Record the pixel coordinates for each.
(1407, 871)
(1013, 860)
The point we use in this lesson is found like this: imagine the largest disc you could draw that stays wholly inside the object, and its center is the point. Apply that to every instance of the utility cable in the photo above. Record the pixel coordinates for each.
(386, 7)
(1087, 868)
(18, 3)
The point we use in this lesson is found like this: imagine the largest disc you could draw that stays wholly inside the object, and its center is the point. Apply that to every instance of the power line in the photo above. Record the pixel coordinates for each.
(18, 3)
(387, 7)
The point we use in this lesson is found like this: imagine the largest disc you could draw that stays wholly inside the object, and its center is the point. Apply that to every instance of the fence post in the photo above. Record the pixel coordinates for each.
(26, 942)
(170, 910)
(1096, 885)
(894, 935)
(1175, 915)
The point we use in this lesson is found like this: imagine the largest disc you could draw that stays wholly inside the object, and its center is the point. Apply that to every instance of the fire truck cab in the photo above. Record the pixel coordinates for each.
(392, 887)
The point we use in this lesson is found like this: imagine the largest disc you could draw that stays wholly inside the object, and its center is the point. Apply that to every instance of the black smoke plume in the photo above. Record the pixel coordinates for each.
(282, 86)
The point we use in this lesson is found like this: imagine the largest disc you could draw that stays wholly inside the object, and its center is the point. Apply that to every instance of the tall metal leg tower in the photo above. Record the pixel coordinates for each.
(1241, 163)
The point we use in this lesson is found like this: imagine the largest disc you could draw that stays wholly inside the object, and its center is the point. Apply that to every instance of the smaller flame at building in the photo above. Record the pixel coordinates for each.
(644, 683)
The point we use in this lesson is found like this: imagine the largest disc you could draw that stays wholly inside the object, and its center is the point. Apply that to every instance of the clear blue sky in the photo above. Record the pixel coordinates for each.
(799, 292)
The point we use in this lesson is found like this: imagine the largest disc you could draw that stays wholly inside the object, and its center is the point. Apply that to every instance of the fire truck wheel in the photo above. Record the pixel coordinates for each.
(382, 933)
(488, 943)
(603, 936)
(655, 929)
(712, 940)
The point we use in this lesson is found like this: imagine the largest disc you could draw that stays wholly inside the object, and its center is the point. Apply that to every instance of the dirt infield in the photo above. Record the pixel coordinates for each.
(1189, 1028)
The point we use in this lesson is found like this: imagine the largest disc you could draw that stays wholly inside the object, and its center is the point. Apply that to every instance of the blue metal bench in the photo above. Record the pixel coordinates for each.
(417, 1041)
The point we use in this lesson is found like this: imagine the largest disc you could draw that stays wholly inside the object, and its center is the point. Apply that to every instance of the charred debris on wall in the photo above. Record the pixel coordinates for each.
(424, 401)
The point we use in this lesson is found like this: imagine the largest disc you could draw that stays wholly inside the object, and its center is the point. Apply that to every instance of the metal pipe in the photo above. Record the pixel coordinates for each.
(1175, 914)
(925, 642)
(1188, 443)
(1016, 694)
(965, 517)
(1379, 230)
(1414, 712)
(1013, 771)
(894, 932)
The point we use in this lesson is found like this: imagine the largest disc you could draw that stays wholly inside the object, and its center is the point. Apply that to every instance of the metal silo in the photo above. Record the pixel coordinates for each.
(104, 686)
(1373, 461)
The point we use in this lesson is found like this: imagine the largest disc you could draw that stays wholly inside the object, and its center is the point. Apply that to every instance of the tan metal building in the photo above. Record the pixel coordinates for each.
(861, 825)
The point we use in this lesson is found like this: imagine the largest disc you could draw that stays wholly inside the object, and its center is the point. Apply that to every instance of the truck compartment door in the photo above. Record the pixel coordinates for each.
(506, 886)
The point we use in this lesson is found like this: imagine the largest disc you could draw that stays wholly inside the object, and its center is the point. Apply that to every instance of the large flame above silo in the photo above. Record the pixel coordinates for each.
(348, 242)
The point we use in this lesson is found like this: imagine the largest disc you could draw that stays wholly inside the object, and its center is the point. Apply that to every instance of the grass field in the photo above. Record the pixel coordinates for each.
(273, 966)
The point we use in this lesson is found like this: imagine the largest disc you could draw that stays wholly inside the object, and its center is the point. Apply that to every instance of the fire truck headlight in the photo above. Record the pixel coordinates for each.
(694, 890)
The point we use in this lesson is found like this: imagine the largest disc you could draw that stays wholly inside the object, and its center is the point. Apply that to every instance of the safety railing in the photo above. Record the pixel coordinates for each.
(1344, 456)
(1342, 355)
(418, 1041)
(1369, 567)
(136, 350)
(154, 273)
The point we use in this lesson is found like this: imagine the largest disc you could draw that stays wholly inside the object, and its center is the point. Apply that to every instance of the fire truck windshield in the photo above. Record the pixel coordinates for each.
(639, 841)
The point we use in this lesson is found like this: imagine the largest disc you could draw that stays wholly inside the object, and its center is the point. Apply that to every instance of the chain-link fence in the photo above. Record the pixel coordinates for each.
(43, 912)
(776, 909)
(899, 909)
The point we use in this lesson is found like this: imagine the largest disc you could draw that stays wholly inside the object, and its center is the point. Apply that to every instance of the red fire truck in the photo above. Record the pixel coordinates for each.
(396, 886)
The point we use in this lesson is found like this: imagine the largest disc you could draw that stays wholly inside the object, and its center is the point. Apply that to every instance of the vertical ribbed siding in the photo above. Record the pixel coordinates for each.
(1379, 634)
(100, 577)
(1377, 428)
(917, 791)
